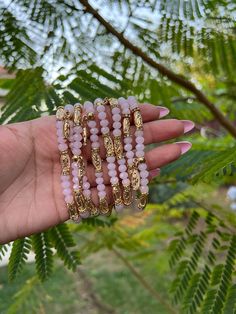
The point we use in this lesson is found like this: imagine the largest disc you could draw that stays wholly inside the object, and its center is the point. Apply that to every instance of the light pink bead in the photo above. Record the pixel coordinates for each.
(128, 147)
(67, 191)
(114, 180)
(119, 208)
(59, 132)
(65, 178)
(126, 182)
(116, 132)
(102, 115)
(130, 154)
(75, 179)
(77, 145)
(75, 172)
(138, 133)
(123, 175)
(144, 174)
(139, 139)
(92, 124)
(86, 186)
(98, 174)
(126, 111)
(132, 100)
(85, 214)
(88, 106)
(101, 108)
(130, 161)
(69, 199)
(144, 182)
(112, 173)
(95, 145)
(116, 117)
(140, 153)
(128, 140)
(116, 125)
(115, 110)
(101, 187)
(62, 147)
(97, 100)
(121, 161)
(77, 129)
(144, 189)
(85, 179)
(122, 168)
(142, 166)
(65, 184)
(77, 151)
(75, 186)
(111, 159)
(69, 108)
(87, 193)
(59, 125)
(77, 137)
(111, 166)
(94, 138)
(99, 180)
(104, 123)
(61, 140)
(94, 130)
(101, 194)
(140, 147)
(105, 130)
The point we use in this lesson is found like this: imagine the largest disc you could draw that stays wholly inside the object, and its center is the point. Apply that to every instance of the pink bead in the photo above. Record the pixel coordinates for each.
(121, 161)
(68, 199)
(78, 129)
(95, 145)
(61, 140)
(122, 168)
(116, 117)
(94, 130)
(130, 161)
(140, 153)
(140, 147)
(92, 124)
(104, 123)
(138, 133)
(132, 100)
(126, 182)
(62, 147)
(144, 174)
(77, 145)
(114, 180)
(65, 184)
(69, 108)
(144, 182)
(116, 132)
(123, 175)
(139, 139)
(94, 138)
(101, 194)
(97, 100)
(128, 140)
(102, 115)
(126, 111)
(105, 130)
(77, 137)
(75, 186)
(88, 106)
(99, 180)
(119, 208)
(112, 173)
(130, 154)
(115, 110)
(59, 125)
(144, 189)
(101, 108)
(142, 166)
(98, 174)
(85, 214)
(85, 179)
(59, 132)
(67, 191)
(111, 159)
(116, 125)
(75, 179)
(111, 166)
(75, 172)
(101, 187)
(65, 178)
(77, 151)
(87, 193)
(86, 186)
(128, 147)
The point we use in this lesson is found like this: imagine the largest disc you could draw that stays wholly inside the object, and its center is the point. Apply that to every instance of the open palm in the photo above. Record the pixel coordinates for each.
(31, 198)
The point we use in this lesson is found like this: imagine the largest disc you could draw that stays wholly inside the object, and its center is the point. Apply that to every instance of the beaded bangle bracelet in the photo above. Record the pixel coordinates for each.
(139, 153)
(96, 159)
(63, 126)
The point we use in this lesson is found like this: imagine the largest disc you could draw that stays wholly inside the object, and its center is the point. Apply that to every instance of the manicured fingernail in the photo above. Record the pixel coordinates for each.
(163, 111)
(153, 173)
(184, 146)
(188, 125)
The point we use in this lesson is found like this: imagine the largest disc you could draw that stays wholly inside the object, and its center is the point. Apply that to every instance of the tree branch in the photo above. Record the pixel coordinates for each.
(178, 79)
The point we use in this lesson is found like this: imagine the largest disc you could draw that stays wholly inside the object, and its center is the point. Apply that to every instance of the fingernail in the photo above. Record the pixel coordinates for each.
(163, 111)
(153, 173)
(188, 125)
(184, 146)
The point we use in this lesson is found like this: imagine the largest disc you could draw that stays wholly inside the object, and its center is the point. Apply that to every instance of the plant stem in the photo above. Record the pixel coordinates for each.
(144, 283)
(178, 79)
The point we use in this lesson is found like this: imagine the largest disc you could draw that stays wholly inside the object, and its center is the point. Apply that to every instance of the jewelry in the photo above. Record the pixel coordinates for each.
(140, 160)
(63, 125)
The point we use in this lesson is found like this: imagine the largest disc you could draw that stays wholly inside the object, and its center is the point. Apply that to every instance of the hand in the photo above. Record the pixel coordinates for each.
(31, 198)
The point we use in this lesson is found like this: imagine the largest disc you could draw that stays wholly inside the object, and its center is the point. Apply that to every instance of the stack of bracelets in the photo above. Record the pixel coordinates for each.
(127, 170)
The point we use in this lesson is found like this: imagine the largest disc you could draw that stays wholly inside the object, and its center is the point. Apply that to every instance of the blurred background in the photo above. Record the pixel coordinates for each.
(178, 256)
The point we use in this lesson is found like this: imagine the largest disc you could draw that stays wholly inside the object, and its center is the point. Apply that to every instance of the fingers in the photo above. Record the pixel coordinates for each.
(155, 158)
(154, 132)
